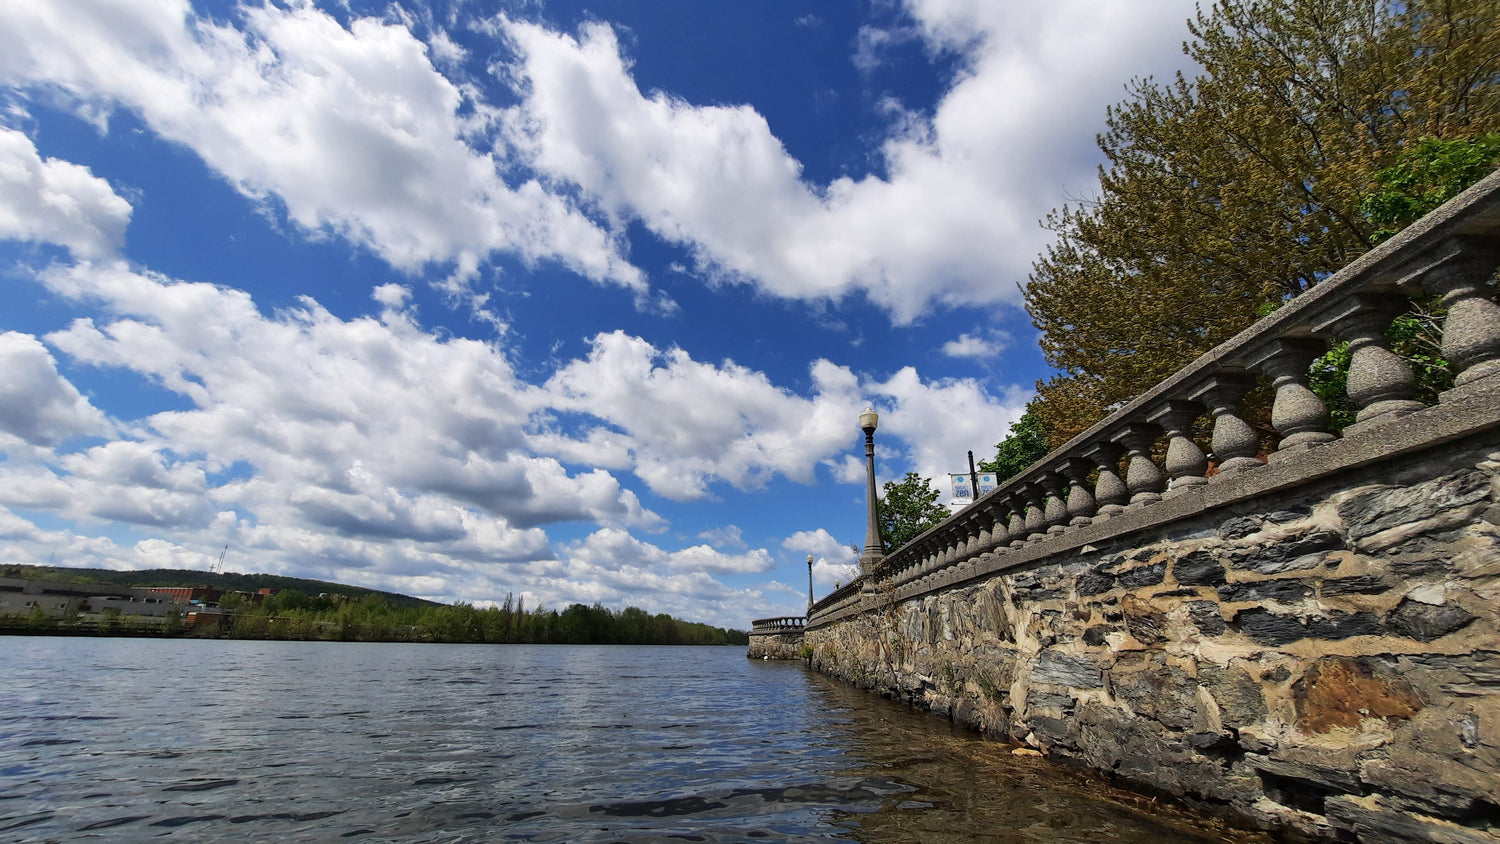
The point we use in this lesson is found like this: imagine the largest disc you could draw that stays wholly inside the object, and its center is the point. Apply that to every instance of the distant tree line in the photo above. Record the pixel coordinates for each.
(293, 615)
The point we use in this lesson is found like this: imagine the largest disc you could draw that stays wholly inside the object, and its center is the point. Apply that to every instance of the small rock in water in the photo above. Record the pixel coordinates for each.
(1025, 751)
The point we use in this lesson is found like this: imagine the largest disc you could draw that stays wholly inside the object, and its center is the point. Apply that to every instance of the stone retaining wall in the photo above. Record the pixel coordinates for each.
(1325, 660)
(775, 645)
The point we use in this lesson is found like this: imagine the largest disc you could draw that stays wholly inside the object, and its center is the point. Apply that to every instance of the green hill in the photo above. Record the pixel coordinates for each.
(227, 581)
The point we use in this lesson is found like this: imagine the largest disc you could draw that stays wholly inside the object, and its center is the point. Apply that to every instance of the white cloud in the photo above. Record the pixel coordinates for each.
(684, 424)
(730, 535)
(615, 549)
(56, 201)
(347, 431)
(352, 130)
(37, 404)
(978, 346)
(954, 221)
(833, 560)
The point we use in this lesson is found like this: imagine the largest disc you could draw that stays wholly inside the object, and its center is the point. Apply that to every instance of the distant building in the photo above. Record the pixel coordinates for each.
(57, 598)
(189, 594)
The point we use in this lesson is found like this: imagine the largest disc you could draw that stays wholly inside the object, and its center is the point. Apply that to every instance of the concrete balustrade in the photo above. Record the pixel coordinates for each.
(785, 624)
(1049, 508)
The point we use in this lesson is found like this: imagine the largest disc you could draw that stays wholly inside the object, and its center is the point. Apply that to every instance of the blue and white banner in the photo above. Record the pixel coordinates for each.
(963, 490)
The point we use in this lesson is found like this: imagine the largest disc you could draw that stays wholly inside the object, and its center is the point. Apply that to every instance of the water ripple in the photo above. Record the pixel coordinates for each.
(219, 741)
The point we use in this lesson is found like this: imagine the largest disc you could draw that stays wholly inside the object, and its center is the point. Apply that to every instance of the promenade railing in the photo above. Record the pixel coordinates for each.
(1078, 494)
(785, 624)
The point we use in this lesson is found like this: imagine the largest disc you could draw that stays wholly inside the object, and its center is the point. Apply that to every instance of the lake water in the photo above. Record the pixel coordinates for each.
(127, 739)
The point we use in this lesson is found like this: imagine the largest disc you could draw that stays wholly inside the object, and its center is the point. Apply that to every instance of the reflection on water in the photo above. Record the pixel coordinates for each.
(113, 739)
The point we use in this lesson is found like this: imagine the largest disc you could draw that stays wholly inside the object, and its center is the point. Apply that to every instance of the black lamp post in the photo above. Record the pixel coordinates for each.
(809, 583)
(874, 551)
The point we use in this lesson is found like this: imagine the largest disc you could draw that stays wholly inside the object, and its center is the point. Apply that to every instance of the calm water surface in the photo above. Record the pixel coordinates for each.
(125, 740)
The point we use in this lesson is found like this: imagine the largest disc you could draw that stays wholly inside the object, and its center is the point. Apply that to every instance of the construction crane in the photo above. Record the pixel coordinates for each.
(218, 567)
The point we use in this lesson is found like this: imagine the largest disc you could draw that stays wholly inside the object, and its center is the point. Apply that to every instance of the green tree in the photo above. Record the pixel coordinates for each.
(1425, 176)
(1024, 445)
(1245, 185)
(907, 510)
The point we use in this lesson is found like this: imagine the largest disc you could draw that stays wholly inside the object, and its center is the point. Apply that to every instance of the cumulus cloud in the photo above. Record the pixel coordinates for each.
(38, 405)
(730, 535)
(363, 430)
(682, 423)
(978, 346)
(352, 130)
(833, 560)
(953, 220)
(616, 549)
(59, 202)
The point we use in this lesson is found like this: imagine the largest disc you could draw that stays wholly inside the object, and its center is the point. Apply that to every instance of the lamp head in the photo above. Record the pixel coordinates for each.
(868, 420)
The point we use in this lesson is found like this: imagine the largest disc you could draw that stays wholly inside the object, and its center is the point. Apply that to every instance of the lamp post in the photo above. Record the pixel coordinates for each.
(874, 551)
(809, 584)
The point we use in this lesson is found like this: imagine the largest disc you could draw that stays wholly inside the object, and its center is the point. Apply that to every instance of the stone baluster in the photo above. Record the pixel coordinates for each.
(1055, 514)
(1016, 529)
(996, 514)
(968, 539)
(1036, 519)
(1380, 382)
(924, 561)
(914, 563)
(1186, 463)
(1143, 480)
(1235, 442)
(984, 526)
(1080, 499)
(1110, 494)
(1297, 414)
(1471, 331)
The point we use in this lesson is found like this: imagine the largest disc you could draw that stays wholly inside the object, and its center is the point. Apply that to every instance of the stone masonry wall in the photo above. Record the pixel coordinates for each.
(1326, 662)
(775, 646)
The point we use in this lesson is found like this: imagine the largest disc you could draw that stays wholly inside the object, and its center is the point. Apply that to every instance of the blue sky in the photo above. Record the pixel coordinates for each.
(577, 301)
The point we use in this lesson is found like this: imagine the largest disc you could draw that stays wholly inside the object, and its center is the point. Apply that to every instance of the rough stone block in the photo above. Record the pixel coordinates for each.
(1281, 591)
(1360, 584)
(1239, 527)
(1206, 617)
(1371, 820)
(1049, 700)
(1145, 576)
(1340, 691)
(1096, 636)
(1063, 670)
(1344, 625)
(1416, 565)
(1426, 622)
(1331, 780)
(1372, 512)
(1146, 623)
(1095, 583)
(1163, 693)
(1293, 555)
(1269, 628)
(1239, 697)
(1198, 568)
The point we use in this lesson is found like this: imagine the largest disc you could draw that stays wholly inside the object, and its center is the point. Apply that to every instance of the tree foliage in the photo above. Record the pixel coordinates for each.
(1247, 184)
(1024, 445)
(1425, 176)
(907, 509)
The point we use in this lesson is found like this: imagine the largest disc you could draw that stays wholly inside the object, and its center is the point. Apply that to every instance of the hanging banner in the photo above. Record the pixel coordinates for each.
(963, 489)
